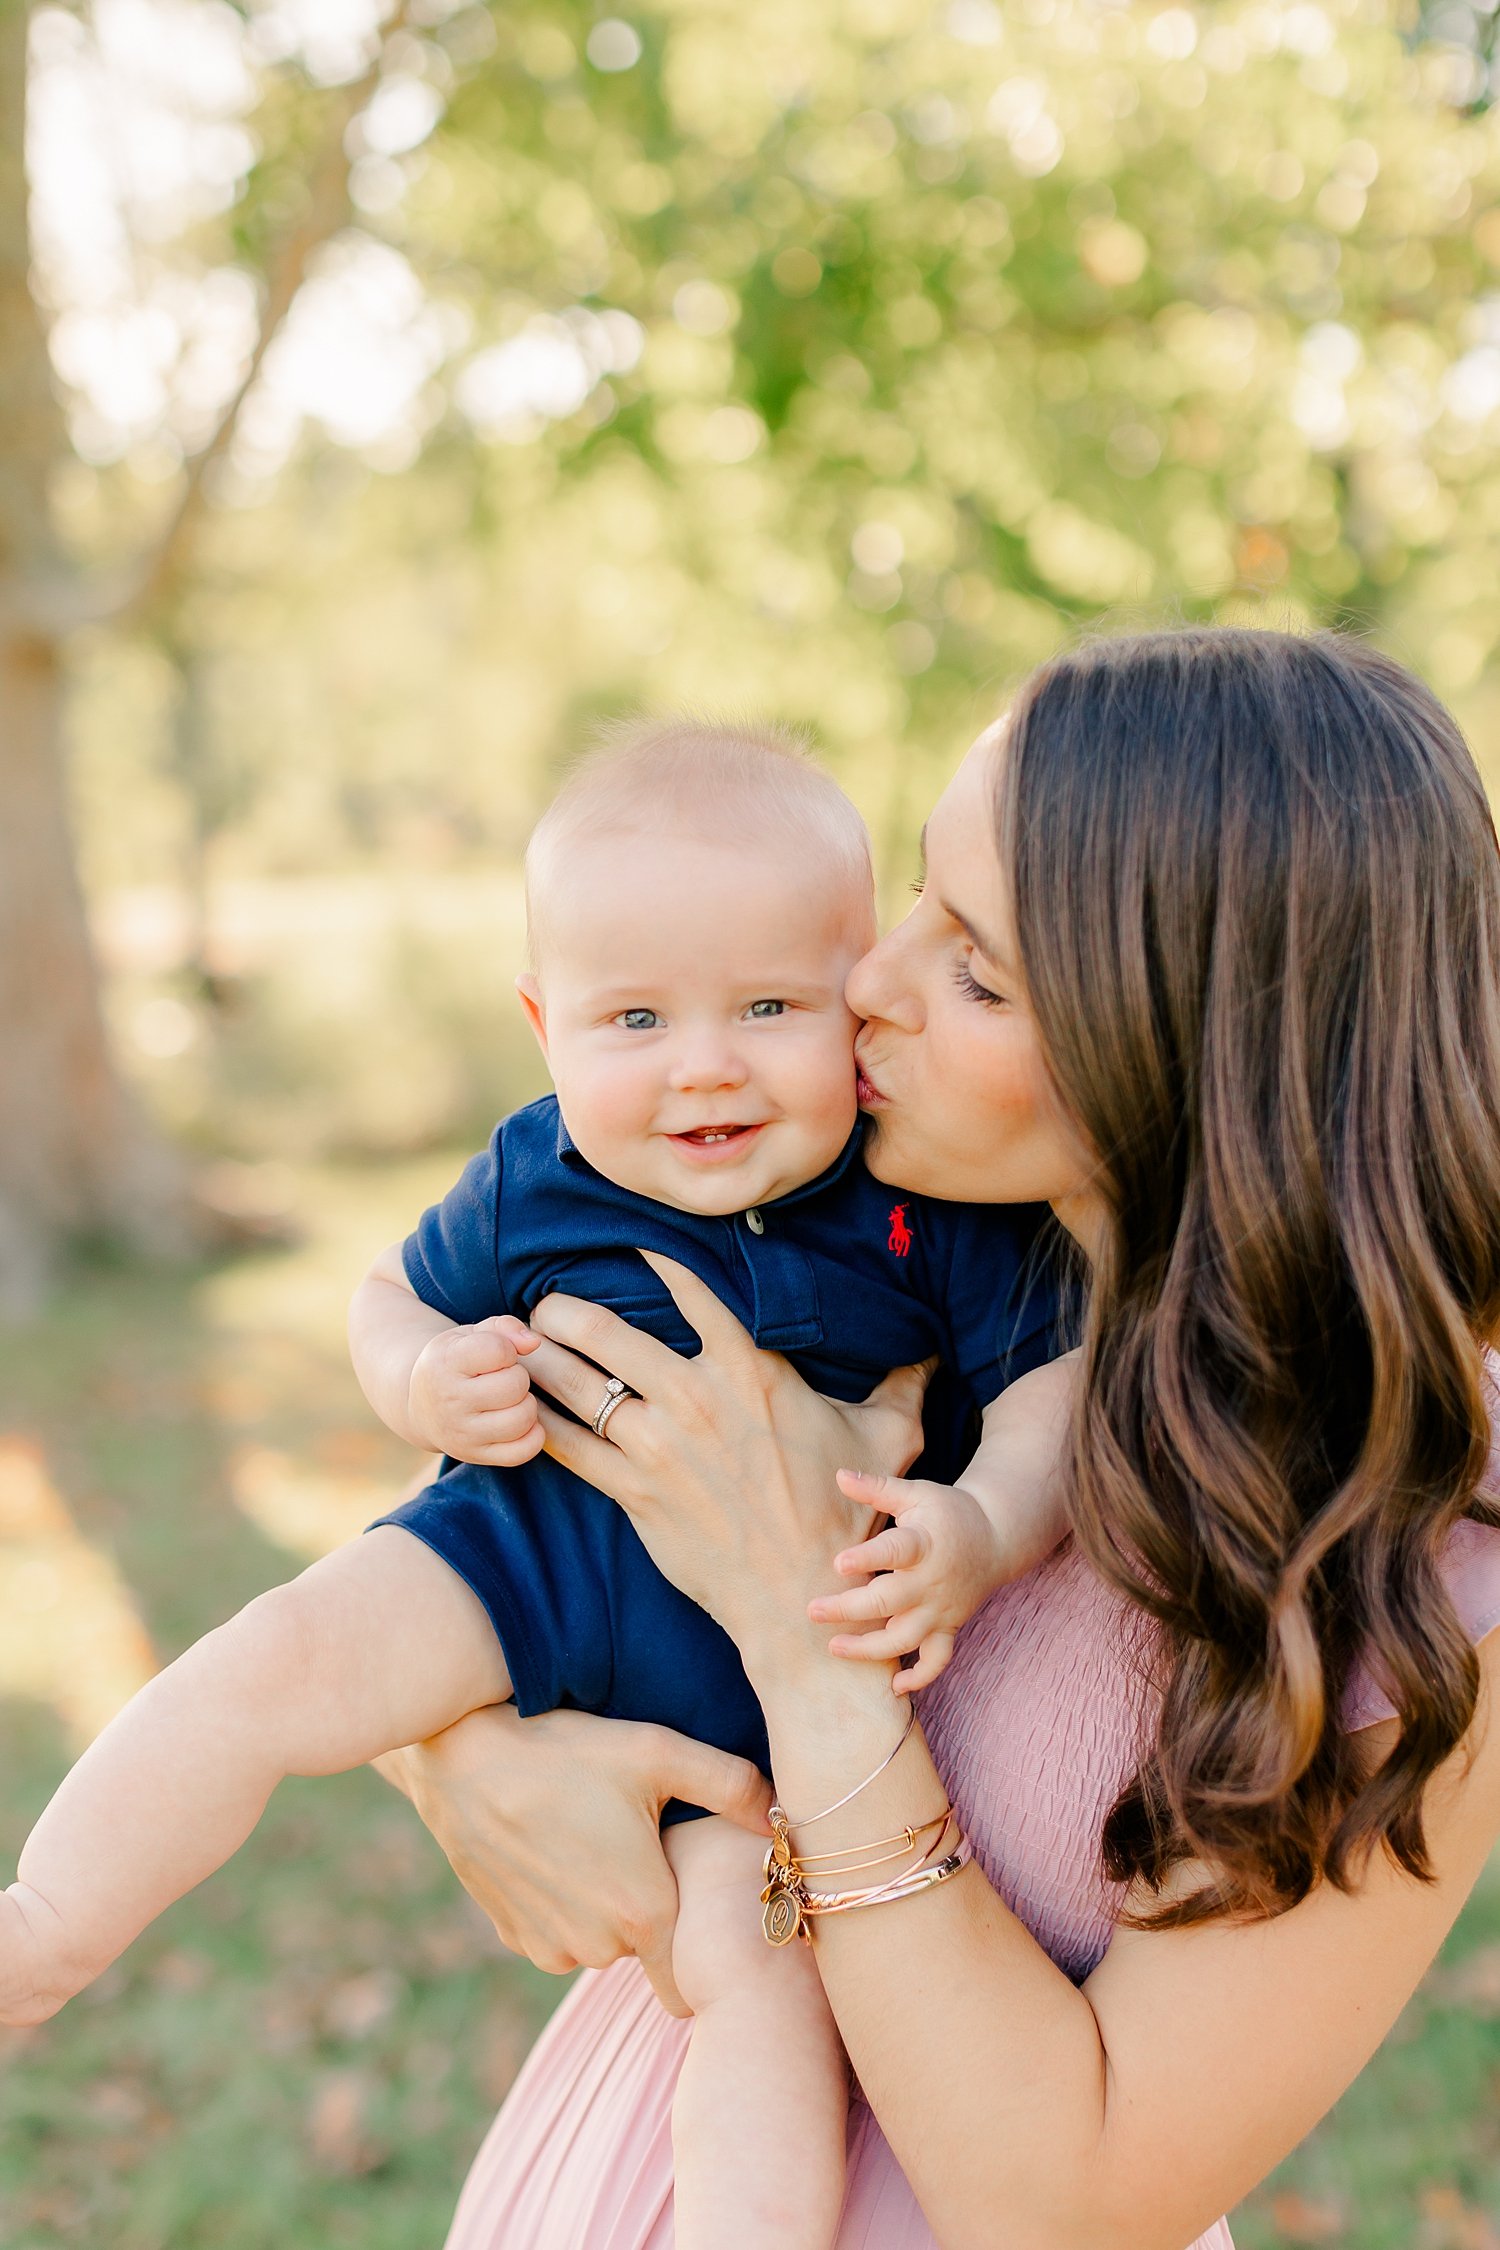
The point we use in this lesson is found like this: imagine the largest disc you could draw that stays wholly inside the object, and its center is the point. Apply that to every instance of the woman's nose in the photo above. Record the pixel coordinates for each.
(881, 986)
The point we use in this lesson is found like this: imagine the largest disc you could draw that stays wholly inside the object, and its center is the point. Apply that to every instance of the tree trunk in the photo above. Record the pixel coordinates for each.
(75, 1156)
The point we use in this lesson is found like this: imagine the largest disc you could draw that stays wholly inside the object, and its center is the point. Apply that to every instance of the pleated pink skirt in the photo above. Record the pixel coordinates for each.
(580, 2157)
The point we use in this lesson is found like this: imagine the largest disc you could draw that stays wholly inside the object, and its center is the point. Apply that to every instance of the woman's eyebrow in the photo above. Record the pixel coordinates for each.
(975, 936)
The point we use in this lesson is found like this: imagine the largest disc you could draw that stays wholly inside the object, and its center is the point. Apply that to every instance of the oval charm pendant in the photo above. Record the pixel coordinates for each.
(782, 1918)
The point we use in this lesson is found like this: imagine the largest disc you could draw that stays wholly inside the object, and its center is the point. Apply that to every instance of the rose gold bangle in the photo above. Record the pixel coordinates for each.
(906, 1841)
(859, 1787)
(904, 1886)
(790, 1907)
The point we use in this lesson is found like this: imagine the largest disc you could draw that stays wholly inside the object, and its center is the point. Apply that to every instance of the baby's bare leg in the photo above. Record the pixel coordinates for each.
(759, 2117)
(378, 1645)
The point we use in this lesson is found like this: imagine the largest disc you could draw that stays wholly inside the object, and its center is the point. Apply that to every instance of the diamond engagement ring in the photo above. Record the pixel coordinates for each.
(614, 1391)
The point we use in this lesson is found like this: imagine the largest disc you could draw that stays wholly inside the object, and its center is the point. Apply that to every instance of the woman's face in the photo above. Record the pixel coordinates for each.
(950, 1062)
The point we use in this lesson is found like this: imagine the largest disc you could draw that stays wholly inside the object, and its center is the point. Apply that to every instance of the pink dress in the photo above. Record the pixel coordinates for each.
(1034, 1726)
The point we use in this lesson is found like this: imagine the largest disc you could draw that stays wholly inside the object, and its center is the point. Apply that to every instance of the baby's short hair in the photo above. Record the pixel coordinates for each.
(713, 779)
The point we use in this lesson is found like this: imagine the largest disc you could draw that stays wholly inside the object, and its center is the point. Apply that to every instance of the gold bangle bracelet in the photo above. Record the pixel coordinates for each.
(823, 1862)
(789, 1907)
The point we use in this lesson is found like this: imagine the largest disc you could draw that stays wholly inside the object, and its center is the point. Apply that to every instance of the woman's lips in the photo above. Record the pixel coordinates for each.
(737, 1138)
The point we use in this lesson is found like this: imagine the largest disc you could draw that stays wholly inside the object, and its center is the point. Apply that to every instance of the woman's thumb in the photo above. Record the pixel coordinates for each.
(700, 1775)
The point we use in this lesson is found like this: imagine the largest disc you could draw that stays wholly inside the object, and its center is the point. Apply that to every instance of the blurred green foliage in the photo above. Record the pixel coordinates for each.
(833, 358)
(837, 357)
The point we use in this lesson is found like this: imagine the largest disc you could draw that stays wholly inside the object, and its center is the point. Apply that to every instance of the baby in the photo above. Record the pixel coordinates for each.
(696, 896)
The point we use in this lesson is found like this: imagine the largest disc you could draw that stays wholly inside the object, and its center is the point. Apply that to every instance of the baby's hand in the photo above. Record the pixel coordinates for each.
(926, 1574)
(471, 1397)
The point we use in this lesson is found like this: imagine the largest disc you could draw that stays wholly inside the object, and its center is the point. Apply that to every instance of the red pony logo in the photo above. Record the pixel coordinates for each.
(899, 1238)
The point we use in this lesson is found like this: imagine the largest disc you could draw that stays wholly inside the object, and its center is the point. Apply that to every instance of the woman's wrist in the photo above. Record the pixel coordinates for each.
(808, 1695)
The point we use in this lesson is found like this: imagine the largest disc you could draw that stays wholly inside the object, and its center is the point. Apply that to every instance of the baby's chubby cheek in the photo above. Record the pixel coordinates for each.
(609, 1117)
(825, 1105)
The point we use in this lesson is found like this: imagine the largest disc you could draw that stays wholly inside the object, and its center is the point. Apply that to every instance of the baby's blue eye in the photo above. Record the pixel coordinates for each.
(765, 1008)
(638, 1019)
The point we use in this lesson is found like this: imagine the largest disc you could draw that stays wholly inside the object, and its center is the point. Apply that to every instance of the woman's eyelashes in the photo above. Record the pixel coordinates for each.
(971, 988)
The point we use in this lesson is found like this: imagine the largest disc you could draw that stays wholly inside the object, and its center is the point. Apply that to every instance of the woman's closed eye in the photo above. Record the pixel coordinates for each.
(971, 988)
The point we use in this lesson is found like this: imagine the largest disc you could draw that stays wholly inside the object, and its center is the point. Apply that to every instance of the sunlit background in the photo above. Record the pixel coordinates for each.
(384, 398)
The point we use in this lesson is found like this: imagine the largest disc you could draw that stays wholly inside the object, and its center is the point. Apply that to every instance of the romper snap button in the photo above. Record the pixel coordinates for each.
(755, 1222)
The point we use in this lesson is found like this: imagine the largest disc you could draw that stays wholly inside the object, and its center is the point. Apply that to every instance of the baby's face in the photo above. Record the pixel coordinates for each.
(690, 1001)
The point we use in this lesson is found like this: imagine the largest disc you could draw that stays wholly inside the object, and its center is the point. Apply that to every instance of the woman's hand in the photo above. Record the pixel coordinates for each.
(551, 1825)
(726, 1463)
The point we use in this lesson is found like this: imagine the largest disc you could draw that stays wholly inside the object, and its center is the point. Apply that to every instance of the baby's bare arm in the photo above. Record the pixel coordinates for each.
(389, 1329)
(378, 1645)
(952, 1546)
(1014, 1475)
(448, 1389)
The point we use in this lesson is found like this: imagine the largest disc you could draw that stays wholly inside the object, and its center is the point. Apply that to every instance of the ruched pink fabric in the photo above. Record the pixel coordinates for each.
(1034, 1726)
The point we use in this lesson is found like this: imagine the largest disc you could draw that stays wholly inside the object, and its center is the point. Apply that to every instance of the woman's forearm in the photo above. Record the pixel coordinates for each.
(980, 2059)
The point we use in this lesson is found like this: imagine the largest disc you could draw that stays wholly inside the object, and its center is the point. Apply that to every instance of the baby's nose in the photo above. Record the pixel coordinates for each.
(708, 1064)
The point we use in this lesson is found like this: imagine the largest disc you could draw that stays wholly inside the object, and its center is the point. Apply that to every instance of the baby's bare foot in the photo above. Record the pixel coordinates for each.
(34, 1972)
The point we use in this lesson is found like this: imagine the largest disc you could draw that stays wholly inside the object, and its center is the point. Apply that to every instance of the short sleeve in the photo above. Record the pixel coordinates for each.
(1000, 1293)
(1471, 1572)
(452, 1256)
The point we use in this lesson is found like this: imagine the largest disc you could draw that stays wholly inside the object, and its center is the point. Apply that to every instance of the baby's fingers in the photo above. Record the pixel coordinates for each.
(896, 1549)
(882, 1599)
(504, 1441)
(932, 1658)
(503, 1390)
(899, 1638)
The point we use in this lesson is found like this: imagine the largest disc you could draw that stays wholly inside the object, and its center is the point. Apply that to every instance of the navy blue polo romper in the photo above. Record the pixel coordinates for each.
(847, 1277)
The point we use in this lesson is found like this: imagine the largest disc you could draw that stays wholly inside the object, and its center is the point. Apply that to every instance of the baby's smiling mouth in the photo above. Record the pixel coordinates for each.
(713, 1140)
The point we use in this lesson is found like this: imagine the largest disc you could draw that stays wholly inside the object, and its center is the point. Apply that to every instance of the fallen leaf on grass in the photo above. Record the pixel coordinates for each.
(1306, 2218)
(361, 2004)
(115, 2101)
(181, 1970)
(286, 2023)
(461, 1939)
(506, 2041)
(1451, 2222)
(339, 2134)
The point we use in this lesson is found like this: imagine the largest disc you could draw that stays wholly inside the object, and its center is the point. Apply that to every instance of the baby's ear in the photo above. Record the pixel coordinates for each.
(534, 1005)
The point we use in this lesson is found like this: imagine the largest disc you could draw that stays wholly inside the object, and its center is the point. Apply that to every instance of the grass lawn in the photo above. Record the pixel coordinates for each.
(306, 2052)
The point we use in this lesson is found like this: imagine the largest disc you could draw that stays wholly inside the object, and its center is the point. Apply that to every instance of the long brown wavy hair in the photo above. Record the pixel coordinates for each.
(1257, 895)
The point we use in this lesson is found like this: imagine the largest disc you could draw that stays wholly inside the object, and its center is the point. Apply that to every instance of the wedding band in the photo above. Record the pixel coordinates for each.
(614, 1391)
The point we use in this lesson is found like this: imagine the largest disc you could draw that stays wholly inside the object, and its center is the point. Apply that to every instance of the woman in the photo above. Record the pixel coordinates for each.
(1206, 960)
